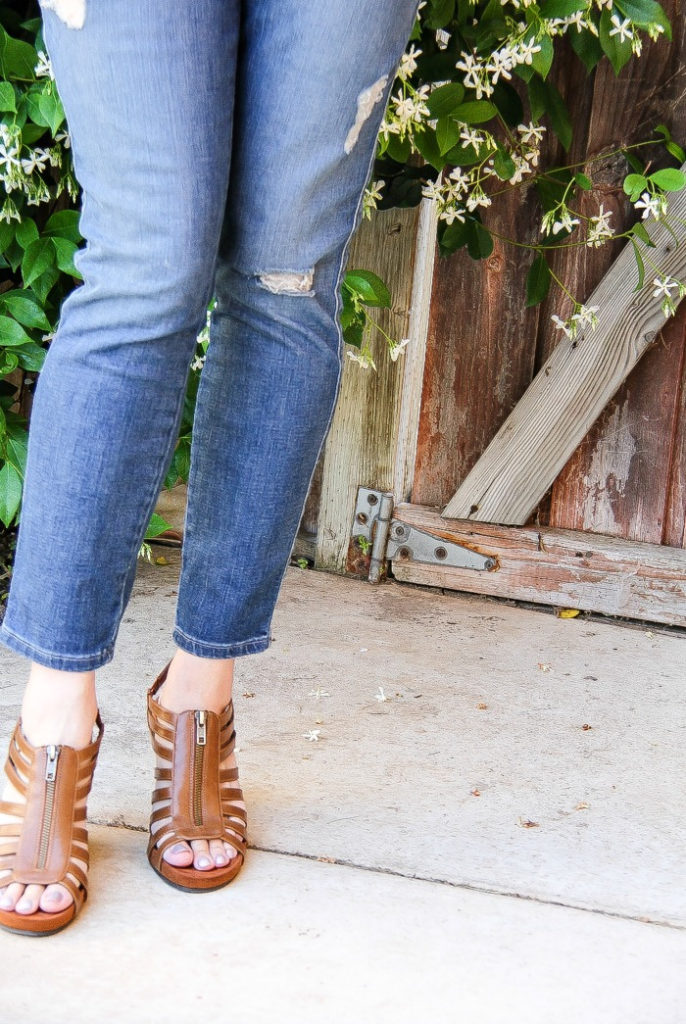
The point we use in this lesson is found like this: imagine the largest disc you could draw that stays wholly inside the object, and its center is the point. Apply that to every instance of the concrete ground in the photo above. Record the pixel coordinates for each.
(501, 839)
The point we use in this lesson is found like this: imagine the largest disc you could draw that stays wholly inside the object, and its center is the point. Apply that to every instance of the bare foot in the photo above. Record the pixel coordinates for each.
(58, 708)
(194, 683)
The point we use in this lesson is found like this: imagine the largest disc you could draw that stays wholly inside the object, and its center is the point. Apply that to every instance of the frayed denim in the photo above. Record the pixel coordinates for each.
(223, 148)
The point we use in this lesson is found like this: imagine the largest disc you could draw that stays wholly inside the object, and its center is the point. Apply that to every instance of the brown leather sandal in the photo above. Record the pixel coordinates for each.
(197, 798)
(48, 841)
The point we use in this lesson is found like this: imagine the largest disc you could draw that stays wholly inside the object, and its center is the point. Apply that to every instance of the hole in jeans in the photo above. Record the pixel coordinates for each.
(366, 102)
(288, 282)
(71, 12)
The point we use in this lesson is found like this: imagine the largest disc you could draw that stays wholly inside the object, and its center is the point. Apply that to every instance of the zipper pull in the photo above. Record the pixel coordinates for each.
(200, 729)
(51, 764)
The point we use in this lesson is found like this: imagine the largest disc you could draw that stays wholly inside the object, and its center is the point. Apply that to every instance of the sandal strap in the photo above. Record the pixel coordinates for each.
(196, 799)
(48, 841)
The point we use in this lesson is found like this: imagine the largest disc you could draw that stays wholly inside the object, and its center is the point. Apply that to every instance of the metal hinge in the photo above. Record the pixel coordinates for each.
(387, 538)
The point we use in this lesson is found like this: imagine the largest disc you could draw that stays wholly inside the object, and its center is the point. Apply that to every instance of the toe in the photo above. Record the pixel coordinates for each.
(179, 855)
(202, 859)
(28, 902)
(55, 898)
(218, 852)
(10, 896)
(230, 851)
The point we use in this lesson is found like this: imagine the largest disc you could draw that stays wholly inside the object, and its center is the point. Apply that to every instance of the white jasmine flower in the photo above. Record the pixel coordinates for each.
(43, 68)
(380, 696)
(408, 63)
(363, 357)
(312, 735)
(649, 204)
(397, 348)
(318, 693)
(531, 131)
(561, 325)
(664, 286)
(622, 28)
(36, 161)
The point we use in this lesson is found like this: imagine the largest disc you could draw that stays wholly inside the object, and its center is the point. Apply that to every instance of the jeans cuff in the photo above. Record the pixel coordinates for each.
(51, 659)
(205, 650)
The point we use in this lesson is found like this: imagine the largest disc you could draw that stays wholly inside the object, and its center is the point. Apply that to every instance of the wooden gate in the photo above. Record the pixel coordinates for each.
(565, 464)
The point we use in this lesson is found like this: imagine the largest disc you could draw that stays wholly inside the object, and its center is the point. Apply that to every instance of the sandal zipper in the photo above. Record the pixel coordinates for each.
(50, 781)
(198, 761)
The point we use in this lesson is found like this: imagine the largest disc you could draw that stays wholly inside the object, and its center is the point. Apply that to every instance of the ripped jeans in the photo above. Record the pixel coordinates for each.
(223, 147)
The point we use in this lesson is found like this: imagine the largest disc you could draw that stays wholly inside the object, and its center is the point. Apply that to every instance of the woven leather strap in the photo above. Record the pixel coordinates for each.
(194, 798)
(48, 840)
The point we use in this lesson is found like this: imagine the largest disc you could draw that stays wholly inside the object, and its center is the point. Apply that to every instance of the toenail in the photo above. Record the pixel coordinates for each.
(53, 897)
(6, 902)
(220, 859)
(204, 862)
(24, 905)
(179, 848)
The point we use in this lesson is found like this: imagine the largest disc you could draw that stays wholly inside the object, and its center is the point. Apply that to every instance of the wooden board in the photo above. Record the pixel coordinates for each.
(571, 390)
(361, 446)
(604, 487)
(563, 568)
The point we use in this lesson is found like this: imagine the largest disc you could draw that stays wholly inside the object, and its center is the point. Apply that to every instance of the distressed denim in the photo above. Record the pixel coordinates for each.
(223, 147)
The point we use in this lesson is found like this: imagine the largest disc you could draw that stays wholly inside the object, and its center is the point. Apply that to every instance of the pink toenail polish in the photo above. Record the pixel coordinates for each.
(204, 862)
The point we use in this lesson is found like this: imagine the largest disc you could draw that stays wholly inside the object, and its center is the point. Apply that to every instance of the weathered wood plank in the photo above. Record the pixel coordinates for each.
(570, 392)
(361, 446)
(557, 567)
(481, 346)
(604, 486)
(675, 513)
(617, 481)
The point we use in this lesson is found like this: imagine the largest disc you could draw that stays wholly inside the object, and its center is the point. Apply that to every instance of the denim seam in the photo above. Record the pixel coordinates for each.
(102, 652)
(236, 647)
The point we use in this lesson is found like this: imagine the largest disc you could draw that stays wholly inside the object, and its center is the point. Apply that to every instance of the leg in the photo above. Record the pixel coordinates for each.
(312, 84)
(148, 92)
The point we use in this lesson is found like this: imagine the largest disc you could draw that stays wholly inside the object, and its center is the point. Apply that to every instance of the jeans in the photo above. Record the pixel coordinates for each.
(222, 147)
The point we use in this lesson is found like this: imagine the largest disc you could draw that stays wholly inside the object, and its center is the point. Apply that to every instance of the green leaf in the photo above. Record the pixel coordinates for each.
(27, 232)
(676, 151)
(561, 8)
(583, 181)
(503, 164)
(156, 526)
(445, 99)
(641, 232)
(25, 309)
(543, 58)
(669, 178)
(618, 53)
(31, 357)
(447, 133)
(439, 14)
(586, 46)
(10, 493)
(399, 150)
(426, 143)
(452, 237)
(479, 240)
(8, 101)
(44, 284)
(641, 266)
(634, 184)
(508, 102)
(64, 224)
(370, 288)
(464, 156)
(64, 251)
(537, 97)
(12, 333)
(559, 115)
(39, 257)
(9, 361)
(475, 111)
(51, 110)
(17, 59)
(7, 234)
(16, 446)
(537, 280)
(642, 12)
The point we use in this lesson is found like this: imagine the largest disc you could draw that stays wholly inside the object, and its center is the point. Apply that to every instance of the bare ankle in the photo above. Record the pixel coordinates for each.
(59, 707)
(194, 682)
